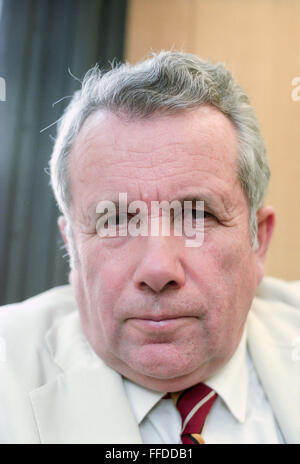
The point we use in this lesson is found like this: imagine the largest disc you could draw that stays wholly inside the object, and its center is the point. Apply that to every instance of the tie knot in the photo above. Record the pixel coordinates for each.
(193, 405)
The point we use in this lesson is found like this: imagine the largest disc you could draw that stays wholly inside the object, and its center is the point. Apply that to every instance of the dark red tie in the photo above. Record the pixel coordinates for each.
(193, 404)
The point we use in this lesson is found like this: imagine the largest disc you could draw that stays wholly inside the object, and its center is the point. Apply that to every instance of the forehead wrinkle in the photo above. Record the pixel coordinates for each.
(220, 159)
(137, 185)
(89, 136)
(168, 153)
(107, 149)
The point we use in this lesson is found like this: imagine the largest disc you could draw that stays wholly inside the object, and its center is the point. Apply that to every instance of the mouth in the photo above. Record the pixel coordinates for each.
(160, 323)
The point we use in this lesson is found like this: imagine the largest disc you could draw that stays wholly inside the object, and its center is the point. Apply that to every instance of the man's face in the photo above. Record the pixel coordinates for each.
(162, 314)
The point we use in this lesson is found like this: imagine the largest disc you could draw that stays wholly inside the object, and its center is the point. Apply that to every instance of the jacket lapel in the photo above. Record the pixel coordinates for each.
(272, 327)
(87, 402)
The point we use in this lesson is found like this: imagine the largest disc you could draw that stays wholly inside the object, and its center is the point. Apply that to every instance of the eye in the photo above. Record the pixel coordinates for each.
(208, 215)
(112, 225)
(199, 213)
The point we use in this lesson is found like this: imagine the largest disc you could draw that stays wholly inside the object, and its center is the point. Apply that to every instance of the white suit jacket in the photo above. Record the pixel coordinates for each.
(55, 389)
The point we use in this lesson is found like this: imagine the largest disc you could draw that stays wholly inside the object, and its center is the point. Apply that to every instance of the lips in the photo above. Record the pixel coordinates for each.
(155, 323)
(158, 317)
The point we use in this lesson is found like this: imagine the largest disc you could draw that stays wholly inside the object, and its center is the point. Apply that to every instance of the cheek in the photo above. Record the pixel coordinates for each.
(225, 273)
(232, 260)
(96, 309)
(98, 282)
(95, 268)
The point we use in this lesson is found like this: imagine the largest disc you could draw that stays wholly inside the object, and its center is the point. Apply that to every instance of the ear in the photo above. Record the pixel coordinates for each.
(265, 226)
(62, 224)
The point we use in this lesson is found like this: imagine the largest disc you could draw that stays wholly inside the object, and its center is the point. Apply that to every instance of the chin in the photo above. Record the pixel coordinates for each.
(163, 363)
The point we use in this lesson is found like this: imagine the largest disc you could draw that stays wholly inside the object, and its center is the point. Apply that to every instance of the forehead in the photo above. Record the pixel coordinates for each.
(154, 158)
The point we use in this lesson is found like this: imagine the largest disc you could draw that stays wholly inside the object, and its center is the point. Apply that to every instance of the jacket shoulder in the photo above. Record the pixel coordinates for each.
(26, 362)
(45, 306)
(277, 307)
(277, 290)
(23, 326)
(273, 329)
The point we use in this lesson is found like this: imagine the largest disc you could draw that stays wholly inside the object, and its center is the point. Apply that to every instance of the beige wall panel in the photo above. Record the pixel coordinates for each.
(157, 24)
(259, 40)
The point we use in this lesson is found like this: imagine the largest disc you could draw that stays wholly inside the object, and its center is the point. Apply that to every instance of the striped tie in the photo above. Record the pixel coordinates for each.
(194, 405)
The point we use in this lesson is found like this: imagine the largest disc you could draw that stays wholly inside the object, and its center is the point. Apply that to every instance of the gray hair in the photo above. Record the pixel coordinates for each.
(167, 82)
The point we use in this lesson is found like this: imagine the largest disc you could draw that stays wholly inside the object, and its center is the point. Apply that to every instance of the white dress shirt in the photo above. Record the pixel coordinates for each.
(240, 414)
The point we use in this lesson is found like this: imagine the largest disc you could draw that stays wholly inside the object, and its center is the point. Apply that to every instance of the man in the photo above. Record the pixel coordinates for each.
(147, 316)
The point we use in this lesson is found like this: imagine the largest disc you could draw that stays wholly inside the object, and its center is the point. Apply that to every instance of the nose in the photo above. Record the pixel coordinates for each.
(160, 267)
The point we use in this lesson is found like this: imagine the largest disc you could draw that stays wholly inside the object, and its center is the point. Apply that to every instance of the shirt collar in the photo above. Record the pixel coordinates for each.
(141, 399)
(230, 382)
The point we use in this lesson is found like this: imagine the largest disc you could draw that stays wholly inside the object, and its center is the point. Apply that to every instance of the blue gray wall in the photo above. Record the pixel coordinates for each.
(39, 41)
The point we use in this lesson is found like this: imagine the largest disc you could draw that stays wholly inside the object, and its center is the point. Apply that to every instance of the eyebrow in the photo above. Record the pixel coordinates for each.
(213, 202)
(209, 201)
(219, 202)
